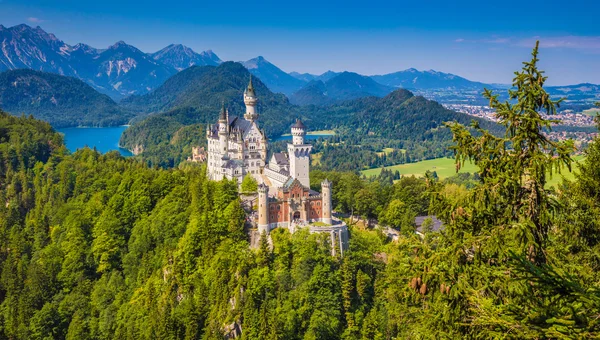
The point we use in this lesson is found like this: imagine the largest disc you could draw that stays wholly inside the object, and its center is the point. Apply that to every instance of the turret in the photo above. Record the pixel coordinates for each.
(326, 194)
(263, 209)
(250, 100)
(299, 155)
(298, 132)
(223, 130)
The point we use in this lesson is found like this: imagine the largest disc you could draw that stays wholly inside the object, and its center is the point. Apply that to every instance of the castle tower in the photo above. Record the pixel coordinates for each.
(298, 132)
(299, 154)
(223, 131)
(326, 194)
(263, 209)
(250, 100)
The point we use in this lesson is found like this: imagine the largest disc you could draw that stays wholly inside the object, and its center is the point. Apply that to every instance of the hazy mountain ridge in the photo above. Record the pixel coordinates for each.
(415, 79)
(343, 86)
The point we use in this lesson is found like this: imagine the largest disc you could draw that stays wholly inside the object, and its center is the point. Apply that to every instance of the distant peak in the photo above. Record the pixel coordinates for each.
(118, 44)
(21, 27)
(84, 47)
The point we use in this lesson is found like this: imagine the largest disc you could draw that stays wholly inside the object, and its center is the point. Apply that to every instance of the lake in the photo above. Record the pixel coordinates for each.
(307, 137)
(104, 139)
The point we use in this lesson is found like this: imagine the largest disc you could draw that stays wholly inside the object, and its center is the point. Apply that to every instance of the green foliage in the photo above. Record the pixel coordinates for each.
(192, 99)
(101, 247)
(61, 101)
(249, 184)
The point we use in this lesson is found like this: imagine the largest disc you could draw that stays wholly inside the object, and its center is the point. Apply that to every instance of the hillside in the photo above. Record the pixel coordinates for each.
(276, 80)
(206, 88)
(61, 101)
(344, 86)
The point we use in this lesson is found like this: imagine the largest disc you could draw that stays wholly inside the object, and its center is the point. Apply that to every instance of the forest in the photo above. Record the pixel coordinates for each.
(103, 247)
(62, 101)
(190, 100)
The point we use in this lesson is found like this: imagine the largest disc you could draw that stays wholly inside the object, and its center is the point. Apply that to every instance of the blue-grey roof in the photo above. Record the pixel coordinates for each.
(437, 224)
(298, 124)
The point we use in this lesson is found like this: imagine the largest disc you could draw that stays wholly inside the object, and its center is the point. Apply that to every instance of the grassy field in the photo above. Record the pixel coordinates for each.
(444, 167)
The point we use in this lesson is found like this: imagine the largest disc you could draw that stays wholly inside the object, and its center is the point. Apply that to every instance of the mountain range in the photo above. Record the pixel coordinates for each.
(122, 70)
(415, 79)
(342, 86)
(118, 71)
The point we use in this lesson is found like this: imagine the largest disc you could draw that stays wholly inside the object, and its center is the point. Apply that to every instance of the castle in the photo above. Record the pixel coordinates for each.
(237, 147)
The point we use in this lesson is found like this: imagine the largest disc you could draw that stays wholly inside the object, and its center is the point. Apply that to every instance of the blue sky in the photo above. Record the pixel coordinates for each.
(484, 41)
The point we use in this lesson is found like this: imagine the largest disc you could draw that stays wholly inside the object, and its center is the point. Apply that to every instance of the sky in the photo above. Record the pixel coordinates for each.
(480, 40)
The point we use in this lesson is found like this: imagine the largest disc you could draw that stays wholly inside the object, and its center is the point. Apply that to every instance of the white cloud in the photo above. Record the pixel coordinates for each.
(571, 41)
(35, 20)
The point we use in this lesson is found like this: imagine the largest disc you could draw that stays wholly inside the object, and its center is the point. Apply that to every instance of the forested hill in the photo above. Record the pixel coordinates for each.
(206, 88)
(61, 101)
(411, 126)
(398, 116)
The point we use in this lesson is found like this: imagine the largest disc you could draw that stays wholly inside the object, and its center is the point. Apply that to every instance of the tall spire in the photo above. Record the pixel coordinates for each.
(250, 100)
(250, 89)
(223, 115)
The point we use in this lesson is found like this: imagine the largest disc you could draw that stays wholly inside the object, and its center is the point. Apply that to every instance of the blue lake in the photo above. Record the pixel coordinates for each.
(104, 139)
(308, 137)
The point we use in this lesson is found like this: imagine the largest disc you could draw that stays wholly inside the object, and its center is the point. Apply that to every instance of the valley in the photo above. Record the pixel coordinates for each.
(311, 178)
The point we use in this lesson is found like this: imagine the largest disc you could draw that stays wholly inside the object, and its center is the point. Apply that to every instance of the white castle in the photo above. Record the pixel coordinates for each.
(237, 147)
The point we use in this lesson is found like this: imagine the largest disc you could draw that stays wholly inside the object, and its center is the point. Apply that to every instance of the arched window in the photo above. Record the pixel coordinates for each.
(319, 204)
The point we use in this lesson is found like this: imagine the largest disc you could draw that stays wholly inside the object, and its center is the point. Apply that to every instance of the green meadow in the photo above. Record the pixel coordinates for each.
(445, 167)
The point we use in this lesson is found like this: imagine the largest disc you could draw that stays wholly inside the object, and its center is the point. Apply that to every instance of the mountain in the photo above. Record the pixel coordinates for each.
(181, 57)
(61, 101)
(118, 71)
(275, 79)
(344, 86)
(127, 70)
(415, 79)
(307, 77)
(196, 95)
(578, 91)
(33, 48)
